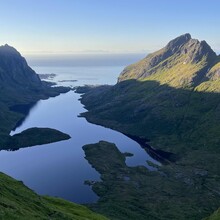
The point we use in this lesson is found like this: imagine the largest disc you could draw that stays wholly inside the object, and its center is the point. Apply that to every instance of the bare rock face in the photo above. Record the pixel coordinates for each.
(177, 43)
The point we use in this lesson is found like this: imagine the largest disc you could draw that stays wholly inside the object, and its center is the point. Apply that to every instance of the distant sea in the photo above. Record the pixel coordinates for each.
(84, 59)
(85, 68)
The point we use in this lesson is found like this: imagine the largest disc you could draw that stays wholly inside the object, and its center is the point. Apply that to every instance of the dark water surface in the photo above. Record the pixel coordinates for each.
(60, 169)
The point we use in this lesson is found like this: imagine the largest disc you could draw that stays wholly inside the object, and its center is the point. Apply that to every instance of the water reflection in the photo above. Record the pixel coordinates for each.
(25, 110)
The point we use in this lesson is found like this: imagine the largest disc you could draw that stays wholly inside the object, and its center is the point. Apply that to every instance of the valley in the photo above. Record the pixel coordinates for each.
(162, 163)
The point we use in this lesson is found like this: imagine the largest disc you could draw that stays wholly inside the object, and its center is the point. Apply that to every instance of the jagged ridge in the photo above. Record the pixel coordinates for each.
(183, 62)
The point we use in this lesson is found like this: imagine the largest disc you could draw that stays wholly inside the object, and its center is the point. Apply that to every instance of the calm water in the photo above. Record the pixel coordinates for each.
(60, 169)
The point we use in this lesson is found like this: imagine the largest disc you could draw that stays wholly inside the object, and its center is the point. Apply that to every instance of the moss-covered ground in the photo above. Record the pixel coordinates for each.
(137, 193)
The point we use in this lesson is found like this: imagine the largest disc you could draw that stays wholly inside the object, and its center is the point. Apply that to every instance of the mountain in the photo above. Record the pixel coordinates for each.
(171, 99)
(170, 91)
(15, 70)
(20, 89)
(183, 62)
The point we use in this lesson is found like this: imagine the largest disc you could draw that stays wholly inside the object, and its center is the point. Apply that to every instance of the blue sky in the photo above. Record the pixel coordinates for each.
(114, 26)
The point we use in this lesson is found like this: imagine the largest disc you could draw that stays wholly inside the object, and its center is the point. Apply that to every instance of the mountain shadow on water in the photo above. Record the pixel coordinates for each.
(24, 109)
(159, 155)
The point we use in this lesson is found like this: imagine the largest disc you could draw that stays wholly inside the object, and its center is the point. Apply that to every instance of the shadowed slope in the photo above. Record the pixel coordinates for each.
(19, 86)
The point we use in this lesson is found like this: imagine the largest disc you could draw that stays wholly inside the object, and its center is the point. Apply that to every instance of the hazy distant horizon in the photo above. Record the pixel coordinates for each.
(84, 59)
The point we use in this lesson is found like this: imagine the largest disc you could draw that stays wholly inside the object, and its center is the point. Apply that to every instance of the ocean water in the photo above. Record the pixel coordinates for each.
(85, 68)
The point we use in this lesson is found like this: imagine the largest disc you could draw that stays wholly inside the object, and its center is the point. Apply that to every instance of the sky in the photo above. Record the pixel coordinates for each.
(105, 26)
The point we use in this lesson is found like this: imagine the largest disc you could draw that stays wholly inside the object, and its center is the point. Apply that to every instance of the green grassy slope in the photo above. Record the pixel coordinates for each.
(214, 216)
(169, 117)
(182, 63)
(172, 98)
(19, 202)
(158, 107)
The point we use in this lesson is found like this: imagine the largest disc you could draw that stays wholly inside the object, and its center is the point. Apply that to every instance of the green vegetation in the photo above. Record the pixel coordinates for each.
(33, 137)
(214, 216)
(172, 98)
(19, 202)
(136, 193)
(182, 63)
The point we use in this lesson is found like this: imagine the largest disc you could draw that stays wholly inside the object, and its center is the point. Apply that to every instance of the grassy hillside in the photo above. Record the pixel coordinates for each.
(214, 216)
(19, 202)
(172, 98)
(183, 62)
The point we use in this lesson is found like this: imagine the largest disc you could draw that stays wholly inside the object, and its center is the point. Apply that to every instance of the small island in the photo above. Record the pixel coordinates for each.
(47, 76)
(34, 136)
(68, 80)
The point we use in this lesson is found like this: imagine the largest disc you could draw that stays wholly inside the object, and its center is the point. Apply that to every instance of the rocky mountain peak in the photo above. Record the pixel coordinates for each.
(184, 61)
(14, 69)
(193, 48)
(6, 49)
(178, 42)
